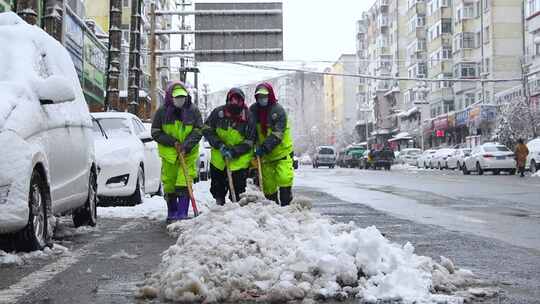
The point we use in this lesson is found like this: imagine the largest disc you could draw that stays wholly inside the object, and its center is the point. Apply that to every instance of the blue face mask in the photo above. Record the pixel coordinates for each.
(262, 101)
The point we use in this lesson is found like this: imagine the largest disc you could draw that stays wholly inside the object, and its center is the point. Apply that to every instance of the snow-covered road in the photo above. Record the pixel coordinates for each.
(501, 207)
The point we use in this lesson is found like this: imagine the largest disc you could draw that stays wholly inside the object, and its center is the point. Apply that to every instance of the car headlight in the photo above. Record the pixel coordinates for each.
(4, 193)
(121, 179)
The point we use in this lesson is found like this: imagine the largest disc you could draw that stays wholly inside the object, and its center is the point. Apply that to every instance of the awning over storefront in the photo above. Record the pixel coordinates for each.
(380, 132)
(440, 122)
(409, 112)
(401, 136)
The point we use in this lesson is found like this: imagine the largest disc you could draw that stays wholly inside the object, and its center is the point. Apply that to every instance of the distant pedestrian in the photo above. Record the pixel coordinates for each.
(521, 156)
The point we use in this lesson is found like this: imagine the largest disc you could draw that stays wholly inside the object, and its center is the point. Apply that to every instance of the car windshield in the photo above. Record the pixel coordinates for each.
(326, 151)
(115, 127)
(496, 149)
(414, 152)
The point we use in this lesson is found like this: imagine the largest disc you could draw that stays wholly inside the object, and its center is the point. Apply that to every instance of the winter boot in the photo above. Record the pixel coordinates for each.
(220, 201)
(285, 196)
(273, 197)
(172, 207)
(183, 207)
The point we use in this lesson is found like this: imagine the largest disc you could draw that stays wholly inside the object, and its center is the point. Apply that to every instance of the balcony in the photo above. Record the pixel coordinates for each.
(442, 13)
(419, 8)
(383, 21)
(444, 94)
(420, 32)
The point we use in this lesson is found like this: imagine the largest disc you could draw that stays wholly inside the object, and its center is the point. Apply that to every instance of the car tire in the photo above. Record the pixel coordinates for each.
(138, 196)
(458, 166)
(534, 166)
(465, 170)
(35, 235)
(479, 169)
(87, 214)
(512, 172)
(440, 167)
(496, 172)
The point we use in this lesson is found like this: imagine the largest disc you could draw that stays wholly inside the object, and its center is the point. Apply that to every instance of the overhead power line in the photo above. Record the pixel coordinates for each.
(466, 80)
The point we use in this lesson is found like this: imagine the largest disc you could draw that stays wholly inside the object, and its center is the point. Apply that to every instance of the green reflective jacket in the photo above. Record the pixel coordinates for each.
(278, 138)
(239, 137)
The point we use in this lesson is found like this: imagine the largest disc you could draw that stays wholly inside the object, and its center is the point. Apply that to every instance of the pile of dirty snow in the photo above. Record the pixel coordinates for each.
(23, 258)
(267, 253)
(537, 174)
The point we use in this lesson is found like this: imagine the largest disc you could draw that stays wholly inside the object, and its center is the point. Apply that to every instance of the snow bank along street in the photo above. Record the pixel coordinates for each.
(267, 253)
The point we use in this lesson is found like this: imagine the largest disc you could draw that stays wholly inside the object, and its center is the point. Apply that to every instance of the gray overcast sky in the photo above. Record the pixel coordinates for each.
(314, 30)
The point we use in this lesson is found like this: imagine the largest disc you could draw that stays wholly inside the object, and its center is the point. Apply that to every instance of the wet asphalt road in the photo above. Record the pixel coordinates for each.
(405, 205)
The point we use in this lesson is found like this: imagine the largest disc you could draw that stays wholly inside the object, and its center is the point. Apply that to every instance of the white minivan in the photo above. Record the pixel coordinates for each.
(47, 165)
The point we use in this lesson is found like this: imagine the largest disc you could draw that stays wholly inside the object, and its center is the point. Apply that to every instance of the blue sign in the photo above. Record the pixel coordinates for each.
(462, 117)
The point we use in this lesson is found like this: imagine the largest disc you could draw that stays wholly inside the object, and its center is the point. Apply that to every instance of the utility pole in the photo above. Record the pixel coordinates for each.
(482, 65)
(115, 45)
(52, 21)
(205, 93)
(134, 57)
(153, 60)
(183, 72)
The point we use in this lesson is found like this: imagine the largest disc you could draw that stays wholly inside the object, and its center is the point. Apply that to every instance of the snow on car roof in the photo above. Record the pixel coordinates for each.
(124, 115)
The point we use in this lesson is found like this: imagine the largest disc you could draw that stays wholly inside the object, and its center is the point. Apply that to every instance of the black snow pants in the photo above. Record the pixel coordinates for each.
(219, 185)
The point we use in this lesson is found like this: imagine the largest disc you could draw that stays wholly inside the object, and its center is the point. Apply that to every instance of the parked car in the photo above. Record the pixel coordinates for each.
(533, 160)
(492, 157)
(325, 156)
(408, 156)
(353, 155)
(205, 154)
(424, 159)
(47, 164)
(127, 158)
(457, 159)
(439, 158)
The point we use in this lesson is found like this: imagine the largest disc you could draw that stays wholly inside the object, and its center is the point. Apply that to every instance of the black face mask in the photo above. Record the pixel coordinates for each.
(235, 110)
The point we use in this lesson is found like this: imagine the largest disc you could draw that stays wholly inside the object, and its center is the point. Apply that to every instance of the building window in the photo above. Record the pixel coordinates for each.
(446, 52)
(468, 41)
(466, 70)
(486, 65)
(446, 26)
(486, 34)
(469, 99)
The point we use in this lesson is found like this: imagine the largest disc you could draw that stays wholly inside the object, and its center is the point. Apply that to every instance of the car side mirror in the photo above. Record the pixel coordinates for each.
(55, 89)
(146, 137)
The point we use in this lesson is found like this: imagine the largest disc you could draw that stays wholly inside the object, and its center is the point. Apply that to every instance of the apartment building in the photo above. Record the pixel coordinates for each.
(444, 39)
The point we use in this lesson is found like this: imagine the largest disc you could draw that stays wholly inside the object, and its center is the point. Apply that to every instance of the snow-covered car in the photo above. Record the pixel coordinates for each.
(424, 159)
(205, 151)
(325, 156)
(456, 160)
(305, 159)
(127, 158)
(492, 157)
(408, 156)
(439, 159)
(533, 160)
(47, 166)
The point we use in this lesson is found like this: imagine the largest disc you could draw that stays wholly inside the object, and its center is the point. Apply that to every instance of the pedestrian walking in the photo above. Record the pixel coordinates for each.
(274, 145)
(231, 132)
(177, 128)
(521, 157)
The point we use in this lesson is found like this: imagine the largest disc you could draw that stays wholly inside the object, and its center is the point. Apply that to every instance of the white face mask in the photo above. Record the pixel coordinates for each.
(179, 101)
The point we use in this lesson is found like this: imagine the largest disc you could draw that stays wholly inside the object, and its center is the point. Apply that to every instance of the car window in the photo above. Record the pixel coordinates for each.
(496, 149)
(326, 151)
(115, 127)
(138, 126)
(96, 130)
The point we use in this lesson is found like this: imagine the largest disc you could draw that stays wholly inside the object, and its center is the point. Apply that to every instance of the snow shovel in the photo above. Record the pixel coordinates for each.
(231, 182)
(188, 182)
(259, 170)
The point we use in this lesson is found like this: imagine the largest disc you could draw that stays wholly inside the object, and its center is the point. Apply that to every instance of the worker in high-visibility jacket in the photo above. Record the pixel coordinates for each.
(230, 131)
(177, 128)
(274, 145)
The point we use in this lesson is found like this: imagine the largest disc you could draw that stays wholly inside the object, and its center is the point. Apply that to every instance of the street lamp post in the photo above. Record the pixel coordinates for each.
(421, 90)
